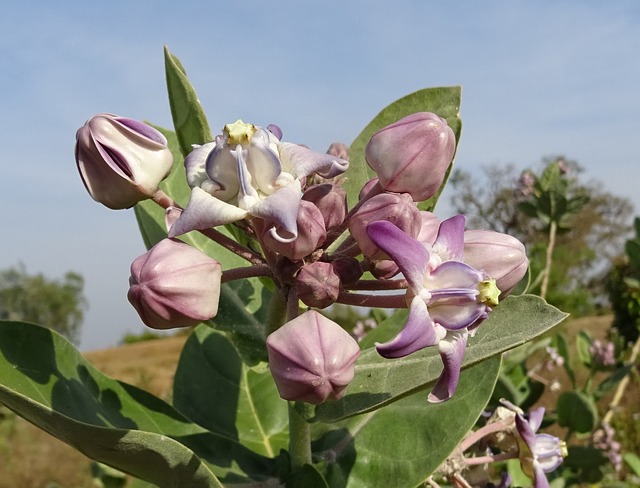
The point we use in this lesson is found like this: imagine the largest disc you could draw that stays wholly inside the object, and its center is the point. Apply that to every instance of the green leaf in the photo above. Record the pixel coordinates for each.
(563, 351)
(633, 461)
(379, 381)
(189, 119)
(612, 380)
(583, 343)
(214, 388)
(46, 380)
(402, 444)
(443, 101)
(577, 411)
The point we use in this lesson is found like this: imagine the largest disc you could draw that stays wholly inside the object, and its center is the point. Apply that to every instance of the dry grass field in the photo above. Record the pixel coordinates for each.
(30, 458)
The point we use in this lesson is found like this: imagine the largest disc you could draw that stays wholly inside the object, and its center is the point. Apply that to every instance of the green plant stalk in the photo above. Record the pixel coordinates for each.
(299, 438)
(553, 228)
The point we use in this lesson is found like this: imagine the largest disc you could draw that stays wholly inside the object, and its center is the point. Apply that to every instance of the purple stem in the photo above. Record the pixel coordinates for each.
(378, 301)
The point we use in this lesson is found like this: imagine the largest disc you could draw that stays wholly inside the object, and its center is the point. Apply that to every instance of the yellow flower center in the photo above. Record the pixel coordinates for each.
(489, 292)
(239, 132)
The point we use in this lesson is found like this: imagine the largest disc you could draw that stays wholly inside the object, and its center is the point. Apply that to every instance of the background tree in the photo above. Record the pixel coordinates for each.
(590, 223)
(57, 304)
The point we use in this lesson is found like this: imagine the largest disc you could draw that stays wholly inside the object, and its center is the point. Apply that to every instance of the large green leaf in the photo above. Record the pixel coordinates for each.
(214, 388)
(46, 380)
(443, 101)
(189, 119)
(403, 443)
(379, 381)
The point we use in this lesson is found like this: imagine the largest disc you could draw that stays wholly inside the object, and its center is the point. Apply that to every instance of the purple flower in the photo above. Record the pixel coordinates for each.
(248, 171)
(538, 453)
(447, 299)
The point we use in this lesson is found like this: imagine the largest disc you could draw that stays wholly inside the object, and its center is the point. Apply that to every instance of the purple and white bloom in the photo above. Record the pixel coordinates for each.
(538, 453)
(447, 298)
(121, 161)
(247, 171)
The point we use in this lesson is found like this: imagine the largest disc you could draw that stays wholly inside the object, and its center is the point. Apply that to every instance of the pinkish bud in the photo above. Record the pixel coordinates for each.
(397, 208)
(501, 256)
(318, 285)
(367, 187)
(174, 285)
(339, 150)
(348, 269)
(311, 233)
(331, 200)
(385, 269)
(429, 228)
(312, 358)
(412, 155)
(121, 161)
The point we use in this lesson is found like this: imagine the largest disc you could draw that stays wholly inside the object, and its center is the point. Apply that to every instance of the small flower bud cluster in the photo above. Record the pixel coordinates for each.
(604, 439)
(555, 359)
(363, 327)
(603, 354)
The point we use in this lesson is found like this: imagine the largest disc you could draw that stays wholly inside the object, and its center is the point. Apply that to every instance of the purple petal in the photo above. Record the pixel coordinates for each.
(527, 434)
(418, 333)
(204, 211)
(540, 479)
(281, 208)
(451, 350)
(453, 274)
(535, 418)
(450, 240)
(142, 129)
(300, 162)
(456, 313)
(410, 255)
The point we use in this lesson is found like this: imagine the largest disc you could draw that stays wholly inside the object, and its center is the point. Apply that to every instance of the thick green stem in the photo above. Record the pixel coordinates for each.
(277, 312)
(553, 228)
(299, 438)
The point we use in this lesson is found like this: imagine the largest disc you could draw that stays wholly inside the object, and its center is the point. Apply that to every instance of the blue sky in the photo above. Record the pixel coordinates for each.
(539, 78)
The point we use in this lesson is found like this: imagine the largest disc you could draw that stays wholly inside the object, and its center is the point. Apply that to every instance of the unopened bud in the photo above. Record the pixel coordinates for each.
(339, 150)
(318, 285)
(501, 256)
(348, 269)
(331, 200)
(312, 358)
(397, 208)
(121, 161)
(412, 155)
(174, 285)
(311, 233)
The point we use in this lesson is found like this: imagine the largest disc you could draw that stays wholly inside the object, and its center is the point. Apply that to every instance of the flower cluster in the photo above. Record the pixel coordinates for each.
(298, 231)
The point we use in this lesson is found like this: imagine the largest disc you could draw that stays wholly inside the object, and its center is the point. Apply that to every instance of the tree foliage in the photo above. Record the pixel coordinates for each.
(57, 304)
(588, 238)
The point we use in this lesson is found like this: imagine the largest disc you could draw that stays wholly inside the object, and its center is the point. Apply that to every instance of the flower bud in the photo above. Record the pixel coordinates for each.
(397, 208)
(339, 150)
(412, 155)
(501, 256)
(429, 228)
(312, 358)
(331, 200)
(311, 233)
(318, 285)
(348, 269)
(174, 285)
(121, 161)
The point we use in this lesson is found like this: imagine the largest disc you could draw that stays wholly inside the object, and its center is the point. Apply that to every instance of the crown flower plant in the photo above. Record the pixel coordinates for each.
(257, 245)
